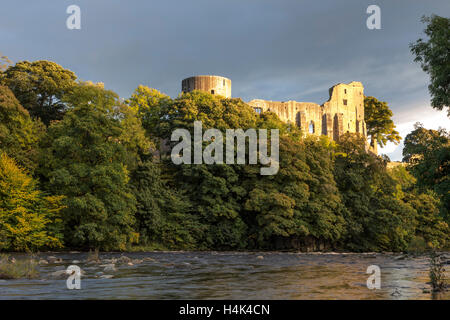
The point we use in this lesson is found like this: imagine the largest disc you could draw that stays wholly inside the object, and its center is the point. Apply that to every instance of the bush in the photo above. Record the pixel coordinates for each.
(17, 269)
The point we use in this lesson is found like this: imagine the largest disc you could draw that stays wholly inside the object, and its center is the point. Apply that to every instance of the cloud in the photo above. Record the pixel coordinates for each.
(276, 50)
(430, 118)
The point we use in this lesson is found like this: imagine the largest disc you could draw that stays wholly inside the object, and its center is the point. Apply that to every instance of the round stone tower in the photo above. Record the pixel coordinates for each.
(212, 84)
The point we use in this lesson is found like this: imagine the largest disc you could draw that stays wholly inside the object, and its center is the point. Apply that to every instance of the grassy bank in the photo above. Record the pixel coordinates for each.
(10, 268)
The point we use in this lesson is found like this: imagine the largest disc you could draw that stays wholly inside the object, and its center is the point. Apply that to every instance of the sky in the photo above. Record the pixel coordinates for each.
(276, 50)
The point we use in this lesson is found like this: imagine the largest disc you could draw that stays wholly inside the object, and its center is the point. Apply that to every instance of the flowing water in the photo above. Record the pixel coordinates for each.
(227, 275)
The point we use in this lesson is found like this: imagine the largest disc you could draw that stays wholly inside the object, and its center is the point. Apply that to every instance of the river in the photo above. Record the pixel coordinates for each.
(227, 275)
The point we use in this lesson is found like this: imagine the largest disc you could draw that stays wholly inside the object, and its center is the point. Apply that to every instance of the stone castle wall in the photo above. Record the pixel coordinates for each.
(212, 84)
(343, 112)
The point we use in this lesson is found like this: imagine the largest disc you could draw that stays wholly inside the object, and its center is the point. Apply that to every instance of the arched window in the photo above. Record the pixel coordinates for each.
(258, 110)
(311, 127)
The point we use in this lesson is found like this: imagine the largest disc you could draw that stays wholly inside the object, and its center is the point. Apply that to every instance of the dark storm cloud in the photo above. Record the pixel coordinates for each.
(277, 50)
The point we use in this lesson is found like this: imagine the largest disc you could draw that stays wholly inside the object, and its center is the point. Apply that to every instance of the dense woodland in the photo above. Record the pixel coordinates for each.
(82, 168)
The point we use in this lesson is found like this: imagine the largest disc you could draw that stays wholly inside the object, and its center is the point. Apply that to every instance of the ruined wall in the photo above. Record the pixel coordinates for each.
(343, 112)
(212, 84)
(306, 115)
(346, 107)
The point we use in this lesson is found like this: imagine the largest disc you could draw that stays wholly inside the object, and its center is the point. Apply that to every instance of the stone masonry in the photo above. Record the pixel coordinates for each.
(343, 112)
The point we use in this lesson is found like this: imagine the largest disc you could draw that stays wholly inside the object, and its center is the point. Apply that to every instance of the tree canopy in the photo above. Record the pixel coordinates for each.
(378, 118)
(40, 86)
(433, 55)
(98, 176)
(428, 155)
(29, 220)
(84, 160)
(19, 134)
(4, 62)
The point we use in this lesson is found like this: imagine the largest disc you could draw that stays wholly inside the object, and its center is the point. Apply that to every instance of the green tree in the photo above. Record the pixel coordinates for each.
(19, 135)
(162, 212)
(380, 126)
(215, 191)
(151, 107)
(434, 58)
(301, 204)
(430, 225)
(40, 86)
(405, 182)
(133, 137)
(428, 155)
(4, 62)
(84, 160)
(215, 195)
(29, 220)
(430, 230)
(376, 218)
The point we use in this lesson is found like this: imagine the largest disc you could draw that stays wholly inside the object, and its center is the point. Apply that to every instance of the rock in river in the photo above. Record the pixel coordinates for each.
(60, 274)
(109, 268)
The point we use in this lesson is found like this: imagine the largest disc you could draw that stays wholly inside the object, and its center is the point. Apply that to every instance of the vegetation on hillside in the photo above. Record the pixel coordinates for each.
(82, 168)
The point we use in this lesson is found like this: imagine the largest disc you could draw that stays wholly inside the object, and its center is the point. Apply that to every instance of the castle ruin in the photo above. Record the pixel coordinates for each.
(342, 113)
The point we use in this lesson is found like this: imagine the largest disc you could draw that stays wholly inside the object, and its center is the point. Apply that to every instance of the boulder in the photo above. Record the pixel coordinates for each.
(53, 259)
(109, 268)
(60, 274)
(124, 259)
(149, 259)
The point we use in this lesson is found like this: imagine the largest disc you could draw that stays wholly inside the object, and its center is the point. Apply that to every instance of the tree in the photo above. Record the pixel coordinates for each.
(162, 213)
(428, 155)
(4, 62)
(380, 126)
(376, 219)
(29, 220)
(84, 160)
(215, 191)
(134, 137)
(430, 225)
(300, 206)
(19, 135)
(151, 106)
(434, 58)
(40, 86)
(215, 195)
(430, 230)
